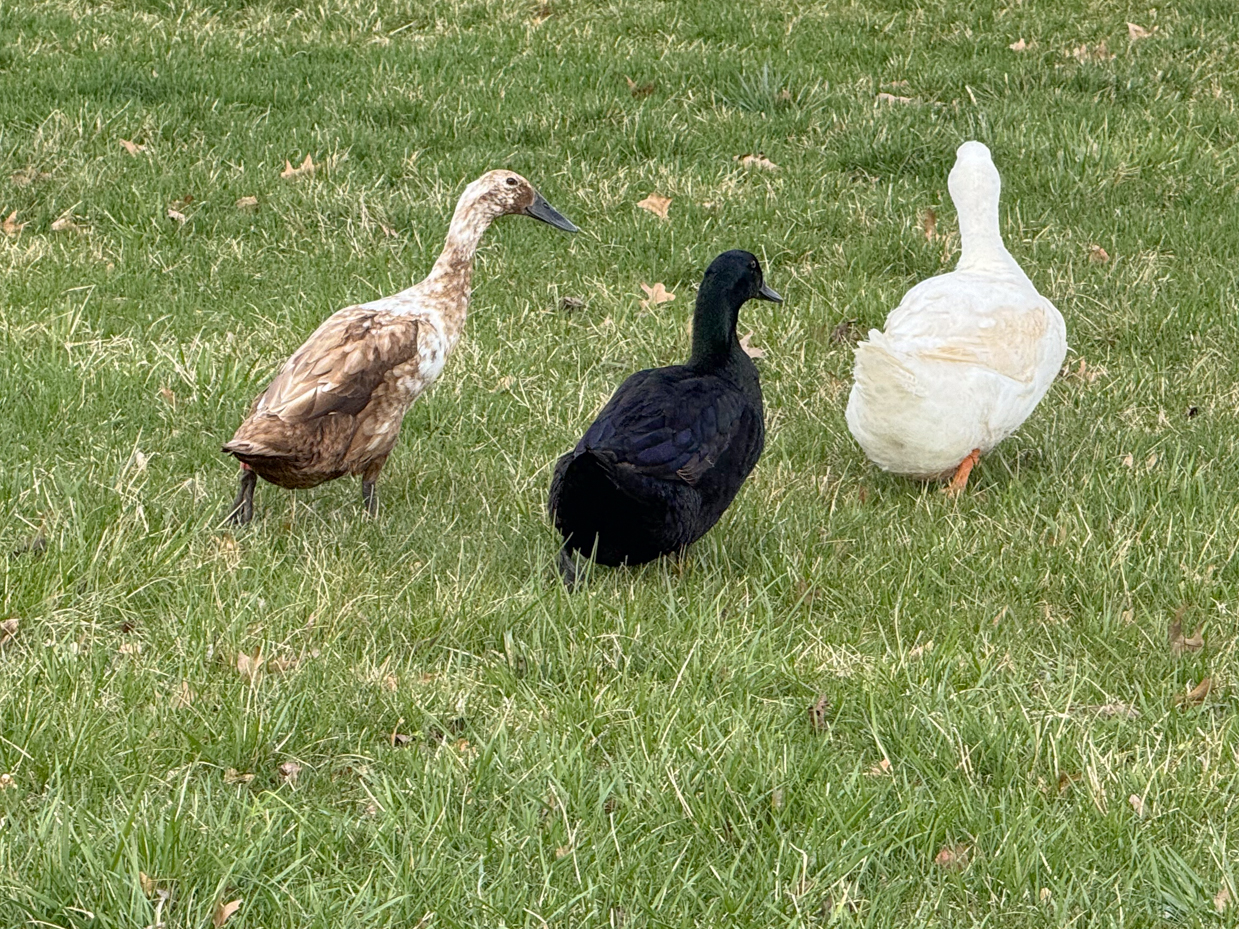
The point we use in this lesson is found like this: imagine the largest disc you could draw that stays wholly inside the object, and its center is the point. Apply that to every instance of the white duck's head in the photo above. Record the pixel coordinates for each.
(975, 186)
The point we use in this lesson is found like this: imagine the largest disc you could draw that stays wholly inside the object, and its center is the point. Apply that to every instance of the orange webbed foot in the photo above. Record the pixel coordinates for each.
(960, 479)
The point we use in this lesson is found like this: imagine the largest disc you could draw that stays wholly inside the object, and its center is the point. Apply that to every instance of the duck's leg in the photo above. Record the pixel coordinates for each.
(243, 506)
(567, 568)
(369, 494)
(961, 474)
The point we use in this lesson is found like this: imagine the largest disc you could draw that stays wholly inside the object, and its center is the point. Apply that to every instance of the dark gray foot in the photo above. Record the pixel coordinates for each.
(370, 497)
(567, 569)
(243, 507)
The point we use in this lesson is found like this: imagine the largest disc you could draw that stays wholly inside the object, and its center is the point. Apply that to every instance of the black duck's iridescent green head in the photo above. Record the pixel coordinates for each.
(732, 279)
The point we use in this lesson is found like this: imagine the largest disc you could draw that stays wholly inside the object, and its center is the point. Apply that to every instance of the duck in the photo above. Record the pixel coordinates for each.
(966, 356)
(670, 450)
(336, 406)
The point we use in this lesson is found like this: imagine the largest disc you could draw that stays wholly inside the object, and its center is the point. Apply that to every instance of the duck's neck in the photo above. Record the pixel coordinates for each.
(714, 331)
(449, 280)
(980, 239)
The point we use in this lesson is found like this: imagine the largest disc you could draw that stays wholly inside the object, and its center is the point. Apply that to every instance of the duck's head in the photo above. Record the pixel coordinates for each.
(501, 193)
(974, 182)
(734, 277)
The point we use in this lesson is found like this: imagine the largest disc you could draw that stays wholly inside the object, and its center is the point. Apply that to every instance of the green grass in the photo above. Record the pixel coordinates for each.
(639, 754)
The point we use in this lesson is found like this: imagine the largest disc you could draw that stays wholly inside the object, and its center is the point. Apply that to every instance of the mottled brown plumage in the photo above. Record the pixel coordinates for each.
(336, 406)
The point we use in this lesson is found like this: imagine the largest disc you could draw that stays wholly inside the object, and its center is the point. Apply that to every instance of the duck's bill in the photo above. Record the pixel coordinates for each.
(768, 293)
(542, 210)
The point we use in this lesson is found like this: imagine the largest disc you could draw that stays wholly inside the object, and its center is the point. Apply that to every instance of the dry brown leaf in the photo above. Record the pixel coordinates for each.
(147, 885)
(751, 350)
(132, 147)
(1221, 900)
(11, 226)
(27, 177)
(929, 225)
(845, 332)
(1065, 781)
(66, 224)
(1137, 804)
(1196, 695)
(892, 98)
(1135, 32)
(952, 857)
(1045, 895)
(6, 781)
(176, 215)
(8, 630)
(880, 769)
(223, 912)
(638, 90)
(1111, 710)
(184, 696)
(563, 851)
(168, 396)
(307, 169)
(247, 203)
(923, 649)
(757, 161)
(568, 304)
(250, 666)
(1129, 460)
(818, 714)
(655, 295)
(1098, 255)
(289, 772)
(1098, 52)
(656, 204)
(130, 648)
(282, 664)
(233, 776)
(1018, 46)
(1179, 643)
(399, 738)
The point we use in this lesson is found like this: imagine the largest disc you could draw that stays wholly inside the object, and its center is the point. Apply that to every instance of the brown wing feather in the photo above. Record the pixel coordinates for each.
(340, 365)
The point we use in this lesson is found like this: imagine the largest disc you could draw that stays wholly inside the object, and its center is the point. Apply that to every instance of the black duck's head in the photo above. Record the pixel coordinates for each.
(732, 279)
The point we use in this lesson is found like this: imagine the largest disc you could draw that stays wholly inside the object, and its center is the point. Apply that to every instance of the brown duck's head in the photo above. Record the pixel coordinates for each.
(500, 193)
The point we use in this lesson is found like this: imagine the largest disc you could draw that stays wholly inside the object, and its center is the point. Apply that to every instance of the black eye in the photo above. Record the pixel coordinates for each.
(752, 265)
(511, 182)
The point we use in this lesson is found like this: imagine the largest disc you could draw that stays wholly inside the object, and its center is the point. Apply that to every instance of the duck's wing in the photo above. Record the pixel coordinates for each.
(340, 365)
(669, 424)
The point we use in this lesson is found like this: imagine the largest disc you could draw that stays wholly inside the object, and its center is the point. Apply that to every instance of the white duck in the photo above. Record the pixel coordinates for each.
(965, 357)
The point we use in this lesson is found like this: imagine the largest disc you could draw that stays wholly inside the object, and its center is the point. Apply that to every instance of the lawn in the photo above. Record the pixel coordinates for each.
(854, 703)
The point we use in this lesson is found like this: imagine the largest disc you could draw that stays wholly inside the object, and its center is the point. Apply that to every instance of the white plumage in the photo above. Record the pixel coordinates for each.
(965, 357)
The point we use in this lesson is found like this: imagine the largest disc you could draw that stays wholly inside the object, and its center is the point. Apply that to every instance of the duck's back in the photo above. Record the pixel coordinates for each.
(962, 362)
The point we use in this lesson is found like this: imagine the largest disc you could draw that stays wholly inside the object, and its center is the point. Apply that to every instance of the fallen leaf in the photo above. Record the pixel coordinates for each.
(1221, 900)
(250, 666)
(1137, 804)
(233, 776)
(282, 664)
(1135, 32)
(28, 176)
(1045, 895)
(1196, 695)
(8, 630)
(880, 769)
(1018, 46)
(1151, 462)
(1098, 52)
(176, 215)
(655, 295)
(817, 714)
(1111, 710)
(289, 772)
(1065, 780)
(168, 396)
(638, 90)
(751, 350)
(1082, 372)
(66, 224)
(929, 225)
(130, 648)
(757, 161)
(1098, 255)
(845, 332)
(568, 304)
(184, 696)
(132, 147)
(247, 203)
(147, 885)
(656, 204)
(952, 857)
(399, 738)
(892, 98)
(11, 226)
(1129, 461)
(923, 649)
(6, 781)
(563, 851)
(307, 169)
(223, 912)
(1180, 643)
(391, 683)
(541, 15)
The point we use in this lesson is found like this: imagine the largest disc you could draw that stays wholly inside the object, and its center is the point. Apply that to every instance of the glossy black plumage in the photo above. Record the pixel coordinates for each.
(671, 449)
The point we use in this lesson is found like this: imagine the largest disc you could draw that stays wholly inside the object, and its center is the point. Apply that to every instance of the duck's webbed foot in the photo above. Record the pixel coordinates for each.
(960, 479)
(243, 506)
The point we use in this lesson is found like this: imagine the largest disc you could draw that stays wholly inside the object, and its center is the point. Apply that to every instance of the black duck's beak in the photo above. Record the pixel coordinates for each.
(542, 210)
(768, 293)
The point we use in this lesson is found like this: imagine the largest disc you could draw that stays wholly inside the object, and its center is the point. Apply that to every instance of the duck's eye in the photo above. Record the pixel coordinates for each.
(511, 182)
(752, 265)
